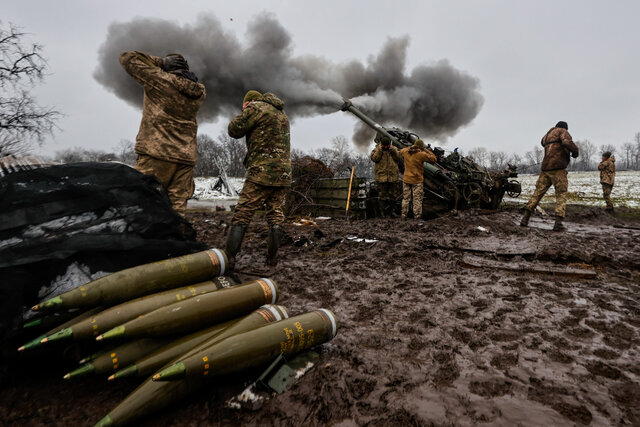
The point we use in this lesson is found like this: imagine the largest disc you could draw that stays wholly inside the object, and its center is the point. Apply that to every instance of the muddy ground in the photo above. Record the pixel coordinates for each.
(423, 340)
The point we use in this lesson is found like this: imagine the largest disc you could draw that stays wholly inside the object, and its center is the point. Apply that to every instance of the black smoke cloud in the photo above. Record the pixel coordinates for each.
(433, 101)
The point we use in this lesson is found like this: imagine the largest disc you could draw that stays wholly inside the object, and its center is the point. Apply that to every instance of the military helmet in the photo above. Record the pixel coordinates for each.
(252, 95)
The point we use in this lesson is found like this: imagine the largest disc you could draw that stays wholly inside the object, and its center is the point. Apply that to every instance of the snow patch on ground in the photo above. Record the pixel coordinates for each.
(585, 189)
(204, 188)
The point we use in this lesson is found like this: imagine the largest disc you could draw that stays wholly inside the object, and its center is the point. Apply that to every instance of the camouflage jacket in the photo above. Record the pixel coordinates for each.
(386, 164)
(266, 128)
(607, 170)
(413, 160)
(557, 145)
(168, 128)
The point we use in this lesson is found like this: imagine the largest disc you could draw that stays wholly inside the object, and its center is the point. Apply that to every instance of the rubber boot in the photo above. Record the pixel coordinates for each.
(234, 241)
(558, 225)
(525, 218)
(273, 243)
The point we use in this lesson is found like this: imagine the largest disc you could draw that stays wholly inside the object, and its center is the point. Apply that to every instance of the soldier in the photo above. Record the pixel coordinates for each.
(386, 158)
(557, 145)
(166, 143)
(268, 164)
(607, 170)
(412, 180)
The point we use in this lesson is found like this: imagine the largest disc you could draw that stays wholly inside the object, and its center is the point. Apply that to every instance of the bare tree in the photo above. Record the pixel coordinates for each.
(479, 155)
(587, 151)
(125, 151)
(22, 120)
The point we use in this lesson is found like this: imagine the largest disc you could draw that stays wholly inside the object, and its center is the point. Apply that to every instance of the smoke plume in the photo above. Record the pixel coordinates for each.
(433, 101)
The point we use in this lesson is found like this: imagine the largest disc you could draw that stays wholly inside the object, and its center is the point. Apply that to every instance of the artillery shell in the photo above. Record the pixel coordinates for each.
(142, 280)
(151, 363)
(37, 341)
(119, 314)
(203, 310)
(152, 396)
(256, 347)
(122, 355)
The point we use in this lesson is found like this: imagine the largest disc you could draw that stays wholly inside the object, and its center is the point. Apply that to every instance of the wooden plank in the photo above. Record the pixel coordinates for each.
(471, 261)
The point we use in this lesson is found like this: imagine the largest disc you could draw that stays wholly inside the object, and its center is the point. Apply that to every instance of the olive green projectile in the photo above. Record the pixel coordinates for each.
(37, 341)
(122, 355)
(203, 310)
(256, 347)
(142, 280)
(122, 313)
(51, 320)
(152, 396)
(152, 362)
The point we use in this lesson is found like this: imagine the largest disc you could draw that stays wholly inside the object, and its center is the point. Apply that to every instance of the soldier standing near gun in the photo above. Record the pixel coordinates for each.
(607, 168)
(557, 145)
(166, 142)
(386, 158)
(412, 180)
(268, 162)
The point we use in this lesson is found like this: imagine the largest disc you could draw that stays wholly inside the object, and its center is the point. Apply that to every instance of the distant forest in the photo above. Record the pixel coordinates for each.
(228, 154)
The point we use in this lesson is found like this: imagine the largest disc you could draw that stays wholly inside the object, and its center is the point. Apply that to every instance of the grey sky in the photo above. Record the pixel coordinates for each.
(538, 62)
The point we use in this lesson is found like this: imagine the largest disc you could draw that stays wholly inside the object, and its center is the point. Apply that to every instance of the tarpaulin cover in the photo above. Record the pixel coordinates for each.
(107, 216)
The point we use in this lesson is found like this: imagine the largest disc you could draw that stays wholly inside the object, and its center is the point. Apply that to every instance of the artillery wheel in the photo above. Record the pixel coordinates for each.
(515, 189)
(472, 193)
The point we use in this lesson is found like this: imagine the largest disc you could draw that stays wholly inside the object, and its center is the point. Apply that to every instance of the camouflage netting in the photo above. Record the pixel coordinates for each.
(105, 216)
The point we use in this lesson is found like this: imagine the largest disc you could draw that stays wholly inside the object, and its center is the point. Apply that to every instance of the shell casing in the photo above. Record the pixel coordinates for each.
(263, 315)
(143, 280)
(121, 313)
(256, 347)
(152, 396)
(202, 310)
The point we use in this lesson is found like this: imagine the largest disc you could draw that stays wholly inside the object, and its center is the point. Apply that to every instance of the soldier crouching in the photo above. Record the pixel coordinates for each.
(268, 162)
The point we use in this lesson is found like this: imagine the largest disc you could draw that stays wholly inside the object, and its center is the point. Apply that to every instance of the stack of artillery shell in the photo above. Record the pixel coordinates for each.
(119, 314)
(155, 395)
(142, 280)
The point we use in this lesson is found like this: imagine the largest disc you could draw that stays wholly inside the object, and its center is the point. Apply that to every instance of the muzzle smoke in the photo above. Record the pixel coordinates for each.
(433, 101)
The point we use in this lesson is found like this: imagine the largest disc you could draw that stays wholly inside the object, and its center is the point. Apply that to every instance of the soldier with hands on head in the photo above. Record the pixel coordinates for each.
(266, 127)
(412, 180)
(558, 145)
(386, 158)
(607, 168)
(166, 142)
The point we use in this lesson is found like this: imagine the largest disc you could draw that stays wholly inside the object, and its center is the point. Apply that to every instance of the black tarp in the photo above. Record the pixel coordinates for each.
(107, 216)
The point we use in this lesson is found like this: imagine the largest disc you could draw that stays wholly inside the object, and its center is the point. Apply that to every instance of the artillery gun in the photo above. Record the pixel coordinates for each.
(453, 181)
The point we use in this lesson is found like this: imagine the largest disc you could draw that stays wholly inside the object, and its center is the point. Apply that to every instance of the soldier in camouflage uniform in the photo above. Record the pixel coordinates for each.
(386, 158)
(557, 145)
(413, 177)
(268, 162)
(607, 170)
(166, 142)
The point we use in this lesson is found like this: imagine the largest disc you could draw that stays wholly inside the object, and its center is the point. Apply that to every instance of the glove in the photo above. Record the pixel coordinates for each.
(574, 155)
(174, 62)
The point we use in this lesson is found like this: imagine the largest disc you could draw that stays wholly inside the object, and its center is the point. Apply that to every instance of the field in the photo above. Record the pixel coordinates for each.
(462, 320)
(585, 189)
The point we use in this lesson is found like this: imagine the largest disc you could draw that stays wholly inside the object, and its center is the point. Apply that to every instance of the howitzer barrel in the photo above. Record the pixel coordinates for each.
(348, 106)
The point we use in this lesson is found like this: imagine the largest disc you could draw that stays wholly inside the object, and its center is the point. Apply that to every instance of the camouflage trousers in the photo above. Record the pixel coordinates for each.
(253, 197)
(557, 178)
(176, 178)
(606, 193)
(409, 191)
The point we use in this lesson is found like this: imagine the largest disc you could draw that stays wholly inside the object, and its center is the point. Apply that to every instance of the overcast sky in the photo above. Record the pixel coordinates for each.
(537, 62)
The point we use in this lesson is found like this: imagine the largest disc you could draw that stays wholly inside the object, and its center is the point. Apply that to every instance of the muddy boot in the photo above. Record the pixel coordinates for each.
(525, 218)
(234, 240)
(273, 243)
(558, 225)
